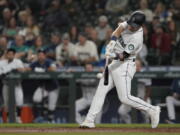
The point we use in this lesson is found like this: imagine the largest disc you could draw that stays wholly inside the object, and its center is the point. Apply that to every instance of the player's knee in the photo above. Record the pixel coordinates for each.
(124, 100)
(77, 105)
(122, 112)
(19, 100)
(36, 99)
(52, 107)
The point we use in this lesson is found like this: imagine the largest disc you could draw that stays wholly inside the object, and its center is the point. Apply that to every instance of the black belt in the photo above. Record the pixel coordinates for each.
(126, 59)
(131, 59)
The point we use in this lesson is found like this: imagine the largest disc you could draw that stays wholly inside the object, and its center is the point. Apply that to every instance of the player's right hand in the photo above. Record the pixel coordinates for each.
(111, 55)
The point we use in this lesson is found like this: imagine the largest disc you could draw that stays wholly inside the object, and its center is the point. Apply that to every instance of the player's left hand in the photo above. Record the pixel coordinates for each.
(111, 55)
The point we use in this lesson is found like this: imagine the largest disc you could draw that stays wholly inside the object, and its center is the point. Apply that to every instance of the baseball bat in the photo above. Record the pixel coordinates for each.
(106, 72)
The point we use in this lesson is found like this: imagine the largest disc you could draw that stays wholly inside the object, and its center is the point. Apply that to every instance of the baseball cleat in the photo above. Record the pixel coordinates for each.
(154, 115)
(87, 124)
(170, 121)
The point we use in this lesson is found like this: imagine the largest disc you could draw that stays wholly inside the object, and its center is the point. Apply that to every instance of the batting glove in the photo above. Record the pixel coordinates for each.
(110, 49)
(110, 46)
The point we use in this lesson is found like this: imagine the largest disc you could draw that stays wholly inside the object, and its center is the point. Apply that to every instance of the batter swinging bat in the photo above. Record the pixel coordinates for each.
(106, 72)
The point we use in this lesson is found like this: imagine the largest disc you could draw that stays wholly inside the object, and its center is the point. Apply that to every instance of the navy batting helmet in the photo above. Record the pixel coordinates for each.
(136, 19)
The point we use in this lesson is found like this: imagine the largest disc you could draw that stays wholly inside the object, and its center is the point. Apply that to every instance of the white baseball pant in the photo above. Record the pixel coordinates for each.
(40, 93)
(120, 76)
(18, 95)
(125, 116)
(171, 102)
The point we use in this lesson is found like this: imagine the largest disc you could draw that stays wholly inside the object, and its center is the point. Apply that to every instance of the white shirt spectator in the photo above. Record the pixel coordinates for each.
(149, 14)
(144, 8)
(86, 51)
(6, 66)
(61, 54)
(102, 28)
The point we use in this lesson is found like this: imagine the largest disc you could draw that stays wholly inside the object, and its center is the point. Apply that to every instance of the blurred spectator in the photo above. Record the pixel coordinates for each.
(88, 87)
(65, 55)
(144, 8)
(155, 22)
(31, 27)
(56, 18)
(88, 29)
(103, 49)
(71, 7)
(175, 36)
(20, 47)
(38, 45)
(86, 50)
(11, 4)
(51, 48)
(146, 36)
(45, 90)
(12, 29)
(29, 39)
(102, 28)
(161, 42)
(172, 30)
(172, 101)
(116, 5)
(73, 34)
(22, 18)
(3, 46)
(7, 65)
(162, 12)
(7, 15)
(3, 5)
(175, 9)
(94, 37)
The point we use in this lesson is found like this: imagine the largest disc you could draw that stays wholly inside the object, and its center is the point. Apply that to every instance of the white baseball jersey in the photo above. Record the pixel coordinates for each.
(131, 42)
(86, 51)
(6, 66)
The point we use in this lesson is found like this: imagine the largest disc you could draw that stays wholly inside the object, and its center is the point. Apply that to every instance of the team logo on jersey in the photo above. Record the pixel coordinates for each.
(131, 47)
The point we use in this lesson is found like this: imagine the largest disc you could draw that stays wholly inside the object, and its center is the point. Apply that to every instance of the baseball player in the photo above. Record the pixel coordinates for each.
(7, 65)
(88, 87)
(125, 44)
(44, 89)
(143, 92)
(173, 100)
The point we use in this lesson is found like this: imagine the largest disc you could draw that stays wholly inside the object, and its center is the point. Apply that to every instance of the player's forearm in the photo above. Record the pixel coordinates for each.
(52, 69)
(118, 31)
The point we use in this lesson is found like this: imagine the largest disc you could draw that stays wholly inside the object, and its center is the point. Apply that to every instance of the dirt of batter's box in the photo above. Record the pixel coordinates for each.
(64, 130)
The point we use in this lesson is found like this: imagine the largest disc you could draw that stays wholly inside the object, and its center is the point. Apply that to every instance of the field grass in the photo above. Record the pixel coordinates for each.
(69, 126)
(98, 125)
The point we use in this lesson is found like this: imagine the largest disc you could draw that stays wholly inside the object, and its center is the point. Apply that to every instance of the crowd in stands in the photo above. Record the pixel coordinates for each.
(73, 33)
